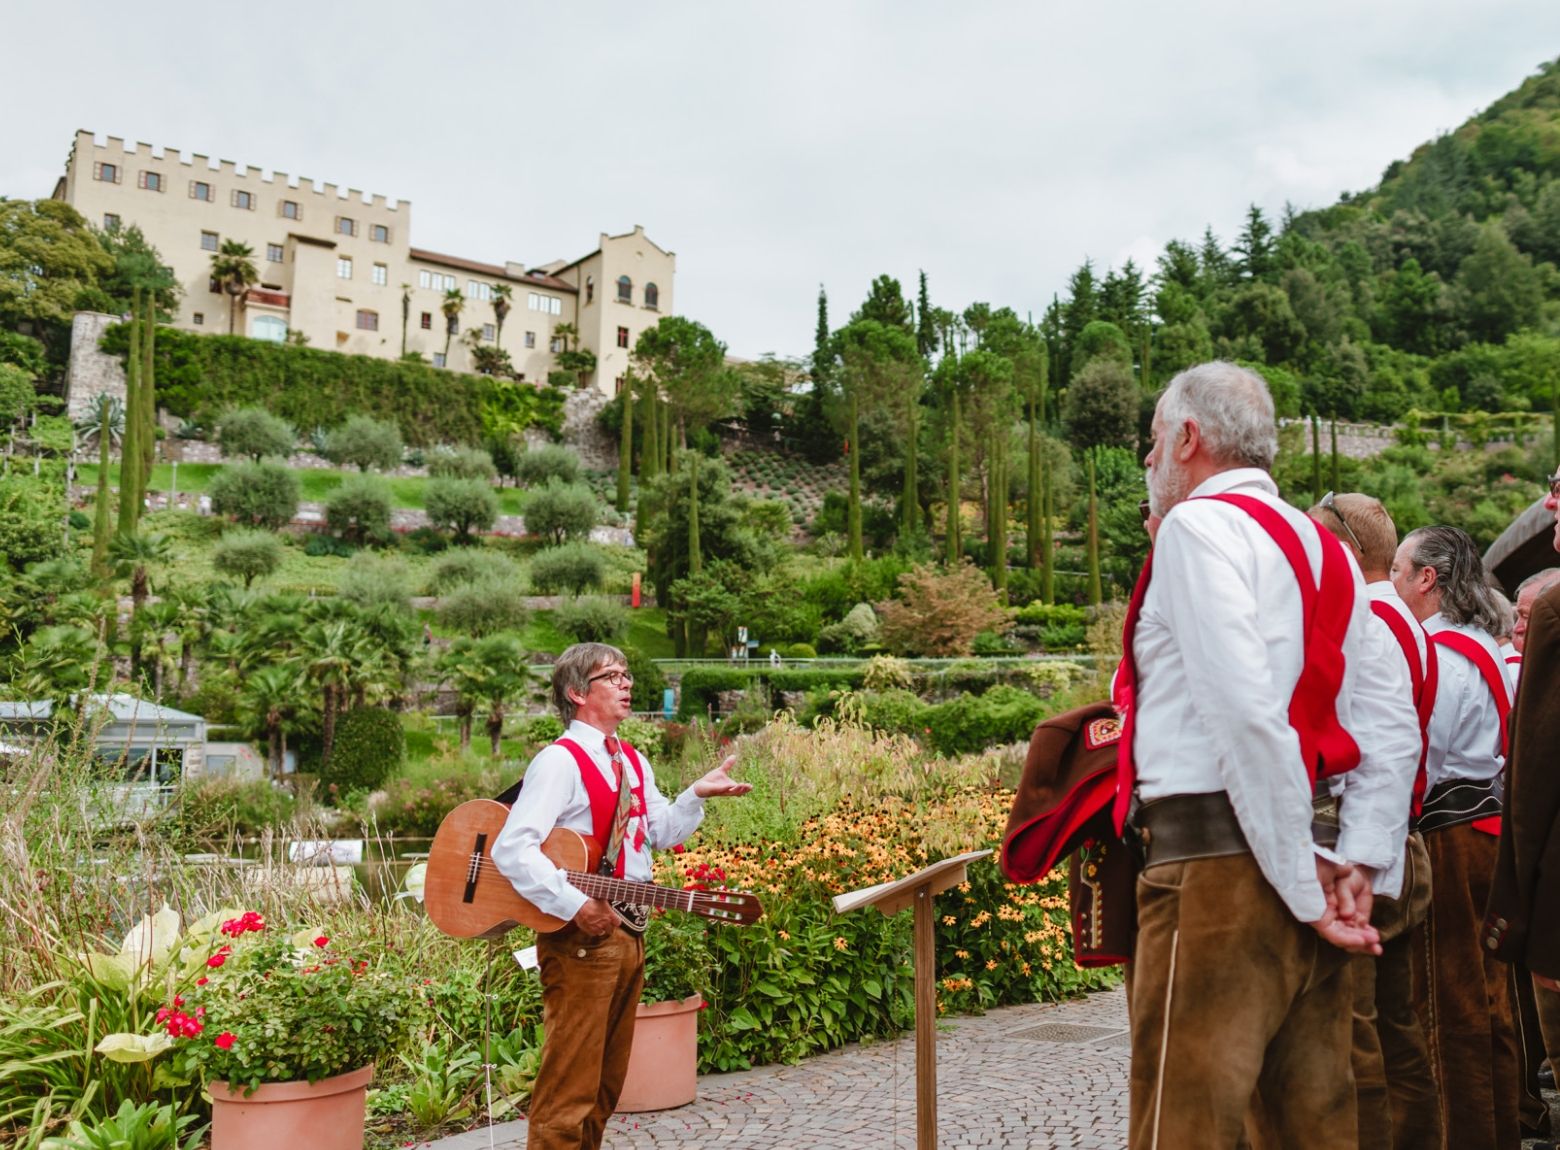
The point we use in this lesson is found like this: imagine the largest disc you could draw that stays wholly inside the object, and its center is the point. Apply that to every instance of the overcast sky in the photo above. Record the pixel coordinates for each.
(776, 147)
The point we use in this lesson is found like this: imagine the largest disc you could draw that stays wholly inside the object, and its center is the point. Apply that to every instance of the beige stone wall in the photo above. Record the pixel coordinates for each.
(91, 373)
(330, 275)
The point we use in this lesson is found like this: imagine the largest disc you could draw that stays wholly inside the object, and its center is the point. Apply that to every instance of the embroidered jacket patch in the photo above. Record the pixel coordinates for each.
(1101, 733)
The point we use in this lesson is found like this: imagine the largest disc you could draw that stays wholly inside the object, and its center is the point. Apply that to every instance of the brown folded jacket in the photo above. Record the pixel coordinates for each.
(1063, 807)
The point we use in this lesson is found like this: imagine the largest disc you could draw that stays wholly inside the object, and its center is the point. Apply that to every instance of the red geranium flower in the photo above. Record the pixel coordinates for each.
(322, 941)
(224, 1040)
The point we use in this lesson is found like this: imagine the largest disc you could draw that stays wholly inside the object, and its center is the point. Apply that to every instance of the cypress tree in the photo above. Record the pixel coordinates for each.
(955, 547)
(996, 520)
(925, 330)
(1334, 432)
(626, 444)
(853, 449)
(910, 499)
(1316, 459)
(148, 397)
(129, 443)
(100, 512)
(1095, 593)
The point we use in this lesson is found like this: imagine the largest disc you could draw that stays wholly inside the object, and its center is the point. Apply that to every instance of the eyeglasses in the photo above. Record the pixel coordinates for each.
(1330, 504)
(1146, 510)
(1554, 485)
(616, 678)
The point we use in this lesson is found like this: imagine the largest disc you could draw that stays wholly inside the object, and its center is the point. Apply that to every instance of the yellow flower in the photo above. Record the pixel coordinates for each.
(785, 935)
(949, 920)
(841, 944)
(991, 964)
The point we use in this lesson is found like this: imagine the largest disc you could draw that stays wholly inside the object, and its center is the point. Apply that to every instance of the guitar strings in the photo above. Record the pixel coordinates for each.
(715, 898)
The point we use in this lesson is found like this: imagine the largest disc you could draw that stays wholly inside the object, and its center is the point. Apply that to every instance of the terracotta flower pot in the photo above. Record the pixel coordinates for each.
(324, 1115)
(663, 1066)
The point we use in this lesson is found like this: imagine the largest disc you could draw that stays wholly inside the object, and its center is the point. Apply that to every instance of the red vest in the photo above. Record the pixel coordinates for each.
(1500, 688)
(604, 800)
(1425, 677)
(1325, 747)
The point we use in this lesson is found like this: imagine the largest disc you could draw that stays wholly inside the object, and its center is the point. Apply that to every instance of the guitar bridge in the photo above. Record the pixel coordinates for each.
(474, 868)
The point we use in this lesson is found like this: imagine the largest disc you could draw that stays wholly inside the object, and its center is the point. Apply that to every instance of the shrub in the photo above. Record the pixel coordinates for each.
(971, 723)
(255, 432)
(471, 565)
(799, 651)
(591, 619)
(216, 808)
(247, 555)
(857, 630)
(255, 494)
(377, 581)
(895, 711)
(370, 746)
(484, 608)
(461, 506)
(885, 672)
(538, 465)
(576, 567)
(939, 612)
(462, 463)
(562, 511)
(416, 806)
(359, 510)
(540, 728)
(649, 682)
(364, 442)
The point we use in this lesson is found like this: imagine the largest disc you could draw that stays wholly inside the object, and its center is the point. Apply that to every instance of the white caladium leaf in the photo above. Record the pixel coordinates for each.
(151, 940)
(412, 884)
(133, 1047)
(209, 925)
(112, 971)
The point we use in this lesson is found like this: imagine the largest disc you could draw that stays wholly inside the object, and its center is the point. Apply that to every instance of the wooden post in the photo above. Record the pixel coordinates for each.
(925, 1021)
(919, 890)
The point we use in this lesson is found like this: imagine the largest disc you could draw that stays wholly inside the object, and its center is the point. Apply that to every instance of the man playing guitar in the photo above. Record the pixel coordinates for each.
(593, 969)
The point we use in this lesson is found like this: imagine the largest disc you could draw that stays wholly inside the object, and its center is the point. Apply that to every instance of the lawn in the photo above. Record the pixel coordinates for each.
(315, 484)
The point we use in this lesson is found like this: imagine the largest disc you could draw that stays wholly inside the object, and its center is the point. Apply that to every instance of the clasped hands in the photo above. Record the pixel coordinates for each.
(1346, 922)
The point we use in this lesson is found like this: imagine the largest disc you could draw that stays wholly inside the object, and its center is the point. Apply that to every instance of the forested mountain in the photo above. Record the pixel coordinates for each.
(1437, 289)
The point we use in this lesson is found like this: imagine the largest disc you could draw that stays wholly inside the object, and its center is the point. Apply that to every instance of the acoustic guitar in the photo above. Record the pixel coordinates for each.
(466, 897)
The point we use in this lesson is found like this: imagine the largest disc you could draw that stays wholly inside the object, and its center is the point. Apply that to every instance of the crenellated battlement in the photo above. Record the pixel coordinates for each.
(112, 149)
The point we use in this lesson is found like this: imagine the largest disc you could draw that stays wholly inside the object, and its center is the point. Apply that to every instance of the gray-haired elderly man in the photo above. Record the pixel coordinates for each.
(1241, 668)
(593, 969)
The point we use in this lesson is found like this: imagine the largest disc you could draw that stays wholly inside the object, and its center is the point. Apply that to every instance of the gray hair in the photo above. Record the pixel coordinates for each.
(1466, 598)
(1232, 408)
(573, 670)
(1541, 580)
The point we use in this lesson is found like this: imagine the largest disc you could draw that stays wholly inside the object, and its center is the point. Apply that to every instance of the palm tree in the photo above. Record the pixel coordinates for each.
(133, 556)
(107, 423)
(333, 652)
(56, 663)
(158, 620)
(501, 309)
(503, 658)
(233, 266)
(452, 306)
(271, 697)
(458, 666)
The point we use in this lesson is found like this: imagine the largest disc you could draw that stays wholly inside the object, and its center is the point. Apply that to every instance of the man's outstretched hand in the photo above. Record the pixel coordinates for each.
(720, 782)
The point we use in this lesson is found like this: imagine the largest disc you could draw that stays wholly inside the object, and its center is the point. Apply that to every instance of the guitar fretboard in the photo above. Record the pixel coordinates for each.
(610, 889)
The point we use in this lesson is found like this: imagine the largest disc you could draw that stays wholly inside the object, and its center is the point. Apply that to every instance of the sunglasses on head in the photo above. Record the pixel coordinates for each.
(1331, 505)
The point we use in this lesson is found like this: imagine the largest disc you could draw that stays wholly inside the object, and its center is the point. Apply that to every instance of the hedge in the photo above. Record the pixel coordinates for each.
(701, 686)
(370, 746)
(201, 376)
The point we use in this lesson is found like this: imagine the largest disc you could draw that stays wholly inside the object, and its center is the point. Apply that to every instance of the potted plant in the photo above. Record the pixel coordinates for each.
(281, 1029)
(663, 1065)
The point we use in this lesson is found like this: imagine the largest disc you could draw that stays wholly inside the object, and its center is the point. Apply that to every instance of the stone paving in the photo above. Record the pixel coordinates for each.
(1050, 1077)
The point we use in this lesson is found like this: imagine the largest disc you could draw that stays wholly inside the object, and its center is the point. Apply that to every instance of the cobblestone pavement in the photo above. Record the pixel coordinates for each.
(1041, 1076)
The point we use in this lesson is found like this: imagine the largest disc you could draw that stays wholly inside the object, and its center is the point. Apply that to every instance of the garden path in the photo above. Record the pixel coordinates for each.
(1042, 1076)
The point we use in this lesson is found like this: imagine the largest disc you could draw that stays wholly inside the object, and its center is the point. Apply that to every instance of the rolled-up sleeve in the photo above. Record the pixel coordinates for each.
(550, 783)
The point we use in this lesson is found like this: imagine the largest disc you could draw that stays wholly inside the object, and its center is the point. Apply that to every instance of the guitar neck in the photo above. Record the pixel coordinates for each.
(610, 889)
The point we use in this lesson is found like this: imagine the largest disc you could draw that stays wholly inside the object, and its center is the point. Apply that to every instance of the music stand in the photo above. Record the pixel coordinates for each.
(918, 890)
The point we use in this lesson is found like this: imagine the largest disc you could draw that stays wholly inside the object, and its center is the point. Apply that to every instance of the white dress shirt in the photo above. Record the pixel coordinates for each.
(1391, 722)
(554, 795)
(1218, 651)
(1465, 726)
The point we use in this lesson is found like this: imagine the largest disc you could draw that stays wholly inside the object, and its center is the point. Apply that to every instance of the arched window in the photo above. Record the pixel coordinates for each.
(268, 327)
(590, 288)
(625, 290)
(652, 296)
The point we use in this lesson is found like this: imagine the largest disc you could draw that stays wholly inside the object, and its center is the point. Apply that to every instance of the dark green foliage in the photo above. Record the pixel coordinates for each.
(1102, 405)
(463, 507)
(649, 682)
(562, 511)
(255, 494)
(200, 376)
(701, 685)
(573, 567)
(1100, 340)
(256, 433)
(897, 711)
(971, 723)
(485, 606)
(470, 565)
(210, 809)
(31, 511)
(370, 746)
(591, 619)
(247, 555)
(359, 510)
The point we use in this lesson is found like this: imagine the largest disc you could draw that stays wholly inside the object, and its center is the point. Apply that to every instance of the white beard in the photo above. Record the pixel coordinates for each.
(1167, 486)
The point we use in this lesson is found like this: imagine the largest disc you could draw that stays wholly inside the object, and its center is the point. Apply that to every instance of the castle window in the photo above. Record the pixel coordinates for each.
(208, 241)
(151, 181)
(108, 173)
(343, 267)
(590, 289)
(427, 321)
(291, 210)
(652, 297)
(381, 274)
(275, 253)
(110, 222)
(368, 320)
(530, 339)
(379, 234)
(346, 226)
(438, 359)
(622, 337)
(625, 290)
(200, 190)
(245, 200)
(489, 331)
(199, 319)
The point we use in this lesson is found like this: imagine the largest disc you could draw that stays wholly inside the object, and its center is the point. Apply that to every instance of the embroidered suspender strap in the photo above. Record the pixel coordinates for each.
(1425, 676)
(1500, 690)
(1123, 697)
(1326, 748)
(603, 800)
(638, 788)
